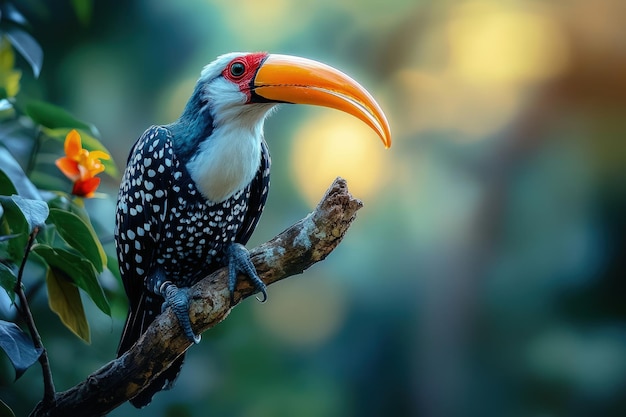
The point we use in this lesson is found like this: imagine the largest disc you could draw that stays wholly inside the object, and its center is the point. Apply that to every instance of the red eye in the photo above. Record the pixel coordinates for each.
(237, 69)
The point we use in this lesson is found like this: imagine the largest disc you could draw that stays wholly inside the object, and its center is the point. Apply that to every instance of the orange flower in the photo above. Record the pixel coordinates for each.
(81, 166)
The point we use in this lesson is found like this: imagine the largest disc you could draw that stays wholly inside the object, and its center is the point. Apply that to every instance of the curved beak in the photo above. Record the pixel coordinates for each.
(291, 79)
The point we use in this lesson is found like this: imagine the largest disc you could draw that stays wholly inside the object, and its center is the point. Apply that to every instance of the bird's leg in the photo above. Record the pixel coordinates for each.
(178, 299)
(175, 297)
(239, 263)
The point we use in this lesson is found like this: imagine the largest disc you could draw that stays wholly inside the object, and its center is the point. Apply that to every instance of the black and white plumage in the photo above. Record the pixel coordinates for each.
(167, 227)
(170, 229)
(193, 191)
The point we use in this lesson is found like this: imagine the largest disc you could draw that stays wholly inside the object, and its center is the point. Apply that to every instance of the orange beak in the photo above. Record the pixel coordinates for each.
(291, 79)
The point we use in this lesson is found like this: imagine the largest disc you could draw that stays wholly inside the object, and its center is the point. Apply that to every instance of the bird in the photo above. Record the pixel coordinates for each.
(193, 190)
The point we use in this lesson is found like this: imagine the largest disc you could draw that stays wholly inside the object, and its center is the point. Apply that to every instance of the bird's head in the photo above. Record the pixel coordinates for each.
(245, 86)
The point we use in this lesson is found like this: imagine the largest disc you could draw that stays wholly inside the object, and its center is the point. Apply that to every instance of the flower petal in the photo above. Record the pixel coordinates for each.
(73, 144)
(95, 169)
(84, 173)
(93, 165)
(99, 155)
(68, 167)
(86, 188)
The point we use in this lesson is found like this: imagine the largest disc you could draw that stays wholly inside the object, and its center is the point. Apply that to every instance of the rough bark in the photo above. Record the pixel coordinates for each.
(308, 241)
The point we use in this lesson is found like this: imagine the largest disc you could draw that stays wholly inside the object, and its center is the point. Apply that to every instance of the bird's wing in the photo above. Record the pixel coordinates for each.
(259, 188)
(142, 206)
(140, 212)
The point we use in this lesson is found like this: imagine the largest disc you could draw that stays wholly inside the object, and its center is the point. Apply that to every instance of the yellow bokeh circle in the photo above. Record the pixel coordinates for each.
(332, 144)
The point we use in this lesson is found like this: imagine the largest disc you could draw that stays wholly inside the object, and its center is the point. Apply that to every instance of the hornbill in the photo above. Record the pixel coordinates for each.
(193, 191)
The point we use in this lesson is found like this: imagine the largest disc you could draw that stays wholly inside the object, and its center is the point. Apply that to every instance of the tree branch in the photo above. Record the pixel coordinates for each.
(308, 241)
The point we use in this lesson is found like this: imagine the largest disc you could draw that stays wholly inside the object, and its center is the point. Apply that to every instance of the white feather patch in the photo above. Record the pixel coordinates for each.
(228, 160)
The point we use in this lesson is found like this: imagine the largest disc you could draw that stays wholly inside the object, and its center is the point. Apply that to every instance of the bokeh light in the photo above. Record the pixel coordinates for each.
(436, 101)
(330, 144)
(254, 23)
(494, 42)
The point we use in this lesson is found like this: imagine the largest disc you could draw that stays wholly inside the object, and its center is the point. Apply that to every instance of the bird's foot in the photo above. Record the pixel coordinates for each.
(178, 299)
(239, 263)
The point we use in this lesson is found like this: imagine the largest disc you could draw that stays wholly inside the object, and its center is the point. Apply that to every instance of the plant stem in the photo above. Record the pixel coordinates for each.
(49, 392)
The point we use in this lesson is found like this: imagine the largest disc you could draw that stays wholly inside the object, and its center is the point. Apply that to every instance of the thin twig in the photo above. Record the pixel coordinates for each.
(24, 310)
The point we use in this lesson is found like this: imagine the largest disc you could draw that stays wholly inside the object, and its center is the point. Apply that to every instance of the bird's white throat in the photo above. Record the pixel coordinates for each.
(227, 161)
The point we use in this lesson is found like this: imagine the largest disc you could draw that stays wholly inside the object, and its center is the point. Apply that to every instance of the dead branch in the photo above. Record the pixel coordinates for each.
(308, 241)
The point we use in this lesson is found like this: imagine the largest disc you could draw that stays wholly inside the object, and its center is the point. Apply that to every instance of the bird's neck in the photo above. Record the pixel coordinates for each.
(219, 143)
(227, 161)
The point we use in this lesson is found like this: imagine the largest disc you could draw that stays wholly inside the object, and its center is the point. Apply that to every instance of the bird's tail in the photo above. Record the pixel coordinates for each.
(162, 382)
(137, 322)
(140, 316)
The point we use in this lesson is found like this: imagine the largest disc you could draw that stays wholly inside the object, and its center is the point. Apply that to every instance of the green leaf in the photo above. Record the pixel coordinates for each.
(27, 46)
(14, 224)
(73, 205)
(35, 212)
(54, 117)
(8, 280)
(78, 270)
(5, 410)
(18, 178)
(64, 300)
(6, 185)
(80, 236)
(9, 76)
(18, 347)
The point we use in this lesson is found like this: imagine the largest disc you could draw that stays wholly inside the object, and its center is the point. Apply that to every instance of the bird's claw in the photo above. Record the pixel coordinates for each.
(264, 292)
(178, 300)
(239, 262)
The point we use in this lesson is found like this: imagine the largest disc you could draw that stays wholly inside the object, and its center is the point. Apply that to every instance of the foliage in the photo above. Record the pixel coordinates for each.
(50, 224)
(12, 26)
(18, 347)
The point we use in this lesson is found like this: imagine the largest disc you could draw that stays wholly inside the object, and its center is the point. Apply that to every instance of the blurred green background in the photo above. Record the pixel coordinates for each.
(485, 275)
